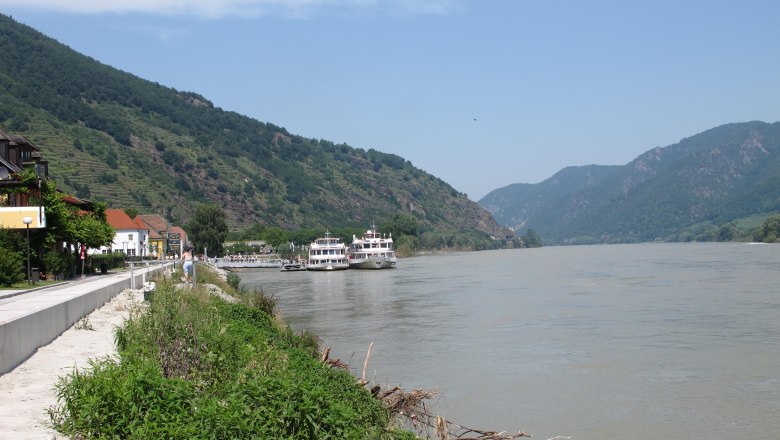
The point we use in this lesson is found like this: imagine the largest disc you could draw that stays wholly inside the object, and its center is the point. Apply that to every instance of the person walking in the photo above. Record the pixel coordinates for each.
(186, 257)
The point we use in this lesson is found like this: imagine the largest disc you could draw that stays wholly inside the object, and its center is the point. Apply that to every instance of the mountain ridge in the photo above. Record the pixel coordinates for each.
(716, 176)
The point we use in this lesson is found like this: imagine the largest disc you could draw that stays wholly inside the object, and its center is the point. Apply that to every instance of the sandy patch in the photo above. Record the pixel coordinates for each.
(28, 390)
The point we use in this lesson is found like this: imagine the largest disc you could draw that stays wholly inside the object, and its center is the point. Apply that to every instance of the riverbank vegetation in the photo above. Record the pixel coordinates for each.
(195, 366)
(761, 228)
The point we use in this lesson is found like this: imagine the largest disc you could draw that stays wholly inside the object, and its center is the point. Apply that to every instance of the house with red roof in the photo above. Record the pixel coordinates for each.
(164, 238)
(130, 236)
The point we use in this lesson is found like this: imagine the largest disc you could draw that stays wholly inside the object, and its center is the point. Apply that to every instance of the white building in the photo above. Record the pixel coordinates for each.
(131, 236)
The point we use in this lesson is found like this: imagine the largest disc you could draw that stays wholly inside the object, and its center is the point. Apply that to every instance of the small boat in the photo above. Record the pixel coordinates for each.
(327, 253)
(291, 266)
(372, 251)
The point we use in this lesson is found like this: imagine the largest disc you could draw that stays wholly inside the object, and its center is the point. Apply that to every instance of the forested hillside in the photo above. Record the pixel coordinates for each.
(113, 137)
(716, 177)
(512, 205)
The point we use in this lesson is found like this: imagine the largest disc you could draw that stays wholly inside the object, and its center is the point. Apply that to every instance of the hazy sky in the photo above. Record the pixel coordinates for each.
(481, 93)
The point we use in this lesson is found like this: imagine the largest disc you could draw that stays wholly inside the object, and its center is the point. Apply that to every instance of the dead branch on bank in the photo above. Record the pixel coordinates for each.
(334, 363)
(410, 409)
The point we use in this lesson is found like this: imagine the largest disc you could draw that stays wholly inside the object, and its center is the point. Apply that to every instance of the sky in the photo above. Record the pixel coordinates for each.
(480, 93)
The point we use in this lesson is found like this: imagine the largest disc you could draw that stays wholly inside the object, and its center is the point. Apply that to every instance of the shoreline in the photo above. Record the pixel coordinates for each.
(28, 390)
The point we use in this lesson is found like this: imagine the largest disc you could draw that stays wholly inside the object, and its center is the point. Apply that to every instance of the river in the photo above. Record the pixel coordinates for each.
(641, 341)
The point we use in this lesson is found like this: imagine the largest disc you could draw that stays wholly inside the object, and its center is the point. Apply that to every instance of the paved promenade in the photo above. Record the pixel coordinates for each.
(32, 318)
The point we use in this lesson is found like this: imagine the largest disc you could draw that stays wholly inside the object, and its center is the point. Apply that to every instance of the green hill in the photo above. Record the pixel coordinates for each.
(723, 175)
(114, 137)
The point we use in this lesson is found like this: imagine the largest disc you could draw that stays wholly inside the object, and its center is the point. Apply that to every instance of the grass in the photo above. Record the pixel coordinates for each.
(24, 285)
(194, 366)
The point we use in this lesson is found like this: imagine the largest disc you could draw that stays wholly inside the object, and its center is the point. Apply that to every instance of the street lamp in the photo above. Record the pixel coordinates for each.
(27, 221)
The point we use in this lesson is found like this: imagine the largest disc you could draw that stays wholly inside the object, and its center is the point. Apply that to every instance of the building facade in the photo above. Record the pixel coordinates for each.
(20, 192)
(130, 236)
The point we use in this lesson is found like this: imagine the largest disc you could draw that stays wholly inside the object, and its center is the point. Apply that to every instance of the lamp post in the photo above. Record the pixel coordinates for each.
(27, 221)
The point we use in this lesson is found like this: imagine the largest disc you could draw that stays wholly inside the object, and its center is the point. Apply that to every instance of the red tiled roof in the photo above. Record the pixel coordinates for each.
(73, 200)
(152, 233)
(154, 222)
(118, 219)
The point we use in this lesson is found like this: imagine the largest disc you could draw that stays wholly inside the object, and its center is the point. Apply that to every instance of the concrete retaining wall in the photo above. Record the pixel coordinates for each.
(21, 337)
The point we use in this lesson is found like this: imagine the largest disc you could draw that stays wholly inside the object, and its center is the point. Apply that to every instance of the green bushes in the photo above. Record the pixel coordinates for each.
(112, 260)
(57, 263)
(769, 231)
(12, 268)
(194, 366)
(234, 280)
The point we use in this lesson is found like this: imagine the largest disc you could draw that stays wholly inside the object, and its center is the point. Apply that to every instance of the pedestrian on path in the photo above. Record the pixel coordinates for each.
(187, 266)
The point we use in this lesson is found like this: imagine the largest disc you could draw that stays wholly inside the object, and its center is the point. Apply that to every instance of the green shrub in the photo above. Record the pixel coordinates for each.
(55, 263)
(257, 299)
(113, 260)
(12, 269)
(233, 280)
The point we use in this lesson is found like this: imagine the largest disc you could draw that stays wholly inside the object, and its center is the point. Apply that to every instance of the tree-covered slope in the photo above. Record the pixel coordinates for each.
(718, 176)
(132, 143)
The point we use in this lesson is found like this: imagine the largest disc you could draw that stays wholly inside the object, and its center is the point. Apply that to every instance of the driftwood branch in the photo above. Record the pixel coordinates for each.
(365, 364)
(334, 363)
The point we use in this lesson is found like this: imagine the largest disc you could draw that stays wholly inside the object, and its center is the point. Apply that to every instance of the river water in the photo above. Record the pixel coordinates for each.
(641, 341)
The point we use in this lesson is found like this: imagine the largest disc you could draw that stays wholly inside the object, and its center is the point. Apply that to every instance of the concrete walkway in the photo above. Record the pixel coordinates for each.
(32, 318)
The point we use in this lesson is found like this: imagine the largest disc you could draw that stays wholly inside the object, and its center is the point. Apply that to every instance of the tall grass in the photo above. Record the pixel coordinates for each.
(193, 366)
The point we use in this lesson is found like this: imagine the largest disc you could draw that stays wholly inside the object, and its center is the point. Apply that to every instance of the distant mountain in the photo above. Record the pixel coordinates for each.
(718, 176)
(512, 205)
(132, 143)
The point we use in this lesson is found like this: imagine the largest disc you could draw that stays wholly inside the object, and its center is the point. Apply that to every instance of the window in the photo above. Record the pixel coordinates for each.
(131, 252)
(129, 237)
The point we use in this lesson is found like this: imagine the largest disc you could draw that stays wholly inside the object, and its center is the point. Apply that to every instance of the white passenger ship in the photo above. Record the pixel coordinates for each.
(372, 251)
(327, 253)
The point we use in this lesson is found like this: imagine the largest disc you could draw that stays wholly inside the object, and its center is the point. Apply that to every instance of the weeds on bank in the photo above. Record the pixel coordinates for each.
(194, 366)
(84, 324)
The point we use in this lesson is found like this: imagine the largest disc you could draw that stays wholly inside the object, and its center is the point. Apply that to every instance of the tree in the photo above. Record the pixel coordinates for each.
(770, 231)
(532, 239)
(208, 229)
(131, 212)
(407, 245)
(65, 225)
(92, 229)
(728, 232)
(401, 224)
(59, 216)
(276, 237)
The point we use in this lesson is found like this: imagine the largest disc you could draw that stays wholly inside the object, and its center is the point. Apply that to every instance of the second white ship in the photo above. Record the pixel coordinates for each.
(372, 251)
